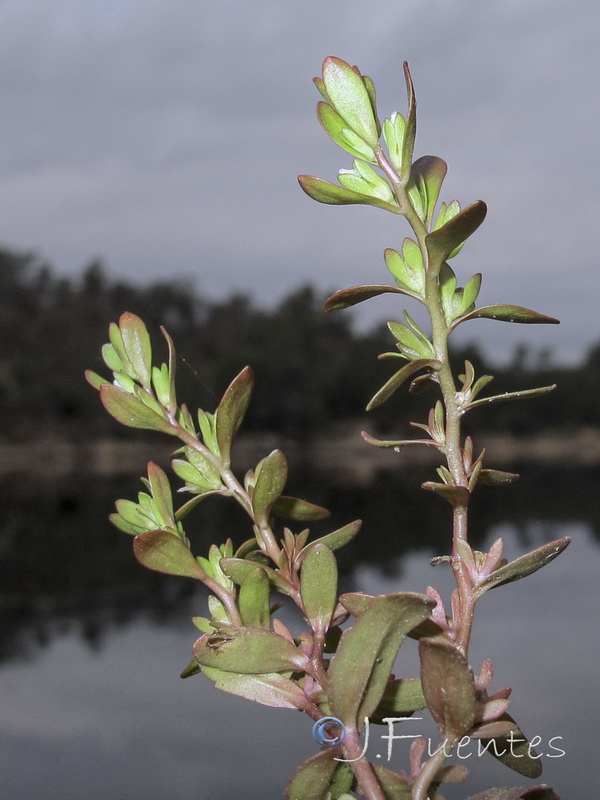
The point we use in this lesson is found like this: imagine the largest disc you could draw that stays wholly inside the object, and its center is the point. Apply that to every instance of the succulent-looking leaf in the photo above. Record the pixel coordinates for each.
(299, 510)
(448, 686)
(410, 130)
(111, 358)
(161, 493)
(363, 179)
(94, 379)
(411, 344)
(496, 477)
(399, 378)
(408, 271)
(165, 552)
(271, 476)
(394, 786)
(525, 565)
(393, 133)
(318, 586)
(455, 495)
(335, 126)
(514, 751)
(508, 313)
(401, 697)
(238, 568)
(349, 97)
(269, 689)
(202, 464)
(253, 599)
(510, 793)
(441, 242)
(130, 411)
(250, 651)
(360, 669)
(396, 444)
(429, 172)
(231, 411)
(335, 539)
(523, 394)
(358, 294)
(136, 342)
(172, 405)
(193, 668)
(312, 779)
(332, 194)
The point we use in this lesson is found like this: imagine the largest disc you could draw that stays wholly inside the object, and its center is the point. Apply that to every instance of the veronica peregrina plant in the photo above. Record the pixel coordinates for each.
(339, 670)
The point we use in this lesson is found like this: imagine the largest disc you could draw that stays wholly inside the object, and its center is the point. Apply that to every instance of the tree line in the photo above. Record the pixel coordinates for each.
(52, 329)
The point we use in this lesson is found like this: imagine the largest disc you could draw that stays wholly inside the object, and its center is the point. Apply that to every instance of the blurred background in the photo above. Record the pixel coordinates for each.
(148, 163)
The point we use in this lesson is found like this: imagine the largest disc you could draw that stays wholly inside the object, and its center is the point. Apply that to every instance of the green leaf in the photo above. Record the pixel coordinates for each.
(447, 282)
(269, 689)
(441, 242)
(165, 552)
(513, 750)
(448, 686)
(318, 586)
(250, 651)
(335, 539)
(525, 565)
(399, 378)
(160, 489)
(312, 779)
(363, 179)
(238, 569)
(396, 443)
(116, 340)
(401, 697)
(508, 313)
(271, 476)
(360, 669)
(455, 495)
(393, 133)
(332, 194)
(94, 379)
(408, 274)
(413, 346)
(470, 293)
(410, 130)
(358, 294)
(231, 411)
(523, 394)
(299, 510)
(338, 130)
(394, 786)
(130, 411)
(201, 463)
(509, 793)
(172, 403)
(194, 481)
(136, 342)
(111, 358)
(253, 600)
(429, 172)
(349, 97)
(496, 477)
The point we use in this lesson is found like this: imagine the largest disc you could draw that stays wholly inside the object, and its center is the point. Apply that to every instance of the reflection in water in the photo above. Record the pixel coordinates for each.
(63, 567)
(118, 723)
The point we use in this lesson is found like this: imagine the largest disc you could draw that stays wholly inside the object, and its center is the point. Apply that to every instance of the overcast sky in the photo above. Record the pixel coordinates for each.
(165, 138)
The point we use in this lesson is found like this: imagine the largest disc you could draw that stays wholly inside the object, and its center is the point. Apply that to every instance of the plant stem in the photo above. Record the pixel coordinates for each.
(369, 785)
(427, 775)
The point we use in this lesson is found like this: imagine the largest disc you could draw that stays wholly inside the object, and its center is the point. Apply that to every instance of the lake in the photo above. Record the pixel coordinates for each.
(91, 644)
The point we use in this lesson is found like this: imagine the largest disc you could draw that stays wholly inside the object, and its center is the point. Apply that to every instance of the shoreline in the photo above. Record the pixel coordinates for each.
(343, 451)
